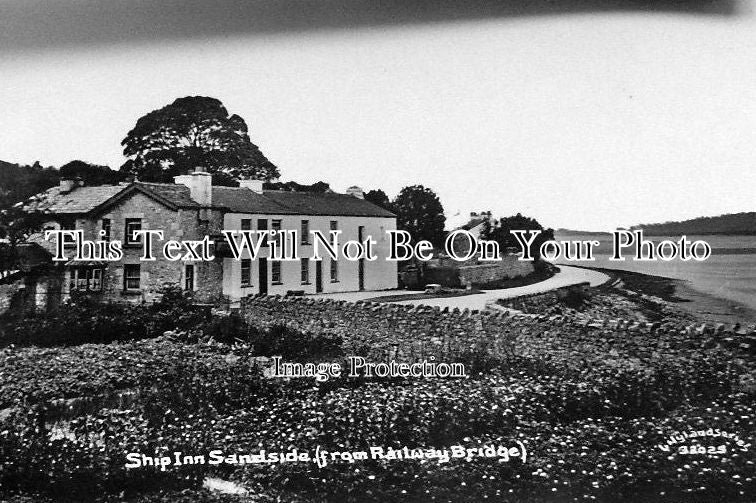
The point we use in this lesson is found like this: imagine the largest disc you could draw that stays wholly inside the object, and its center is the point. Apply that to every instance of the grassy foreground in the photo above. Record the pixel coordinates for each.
(594, 408)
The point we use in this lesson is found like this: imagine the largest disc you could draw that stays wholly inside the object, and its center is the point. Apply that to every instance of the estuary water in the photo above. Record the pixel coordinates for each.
(730, 272)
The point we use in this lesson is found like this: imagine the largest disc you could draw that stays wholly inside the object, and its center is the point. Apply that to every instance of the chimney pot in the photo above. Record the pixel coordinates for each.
(356, 191)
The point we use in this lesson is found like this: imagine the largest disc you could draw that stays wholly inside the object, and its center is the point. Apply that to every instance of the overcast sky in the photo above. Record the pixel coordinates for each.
(589, 119)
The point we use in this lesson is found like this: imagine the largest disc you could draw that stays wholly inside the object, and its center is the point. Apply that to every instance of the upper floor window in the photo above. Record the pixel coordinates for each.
(275, 226)
(132, 225)
(334, 227)
(106, 229)
(305, 232)
(246, 224)
(262, 225)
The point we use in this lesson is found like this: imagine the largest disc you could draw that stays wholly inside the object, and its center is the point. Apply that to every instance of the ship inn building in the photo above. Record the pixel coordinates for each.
(190, 209)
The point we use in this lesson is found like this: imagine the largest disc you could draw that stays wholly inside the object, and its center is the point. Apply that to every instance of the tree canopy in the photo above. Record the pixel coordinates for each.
(499, 231)
(91, 174)
(419, 212)
(19, 182)
(190, 132)
(379, 198)
(293, 186)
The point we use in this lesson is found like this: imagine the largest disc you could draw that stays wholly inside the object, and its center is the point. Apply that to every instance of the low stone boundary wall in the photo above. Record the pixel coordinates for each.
(381, 329)
(537, 300)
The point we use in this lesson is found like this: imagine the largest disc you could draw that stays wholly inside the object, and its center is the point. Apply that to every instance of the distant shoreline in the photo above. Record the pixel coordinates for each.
(704, 306)
(653, 233)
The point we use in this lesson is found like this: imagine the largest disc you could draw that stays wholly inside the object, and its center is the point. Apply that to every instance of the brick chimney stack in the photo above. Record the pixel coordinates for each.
(253, 185)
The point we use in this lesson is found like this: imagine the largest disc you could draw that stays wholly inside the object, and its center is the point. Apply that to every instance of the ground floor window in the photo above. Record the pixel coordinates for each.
(86, 279)
(132, 277)
(334, 271)
(305, 271)
(275, 272)
(246, 272)
(189, 277)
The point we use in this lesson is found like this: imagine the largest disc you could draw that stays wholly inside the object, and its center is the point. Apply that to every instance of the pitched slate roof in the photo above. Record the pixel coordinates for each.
(176, 194)
(326, 203)
(243, 200)
(86, 199)
(34, 252)
(37, 245)
(273, 202)
(89, 198)
(79, 200)
(473, 223)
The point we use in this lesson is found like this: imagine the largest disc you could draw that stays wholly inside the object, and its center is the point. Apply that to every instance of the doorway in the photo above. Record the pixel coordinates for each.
(262, 267)
(361, 262)
(318, 276)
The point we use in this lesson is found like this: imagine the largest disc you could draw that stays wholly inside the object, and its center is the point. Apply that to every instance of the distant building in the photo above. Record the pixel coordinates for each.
(449, 272)
(477, 220)
(190, 209)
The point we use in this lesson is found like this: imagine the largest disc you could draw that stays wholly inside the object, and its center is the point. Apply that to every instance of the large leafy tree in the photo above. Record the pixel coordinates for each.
(419, 212)
(500, 231)
(190, 132)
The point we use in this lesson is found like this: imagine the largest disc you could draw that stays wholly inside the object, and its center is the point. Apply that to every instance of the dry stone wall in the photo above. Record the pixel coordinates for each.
(382, 330)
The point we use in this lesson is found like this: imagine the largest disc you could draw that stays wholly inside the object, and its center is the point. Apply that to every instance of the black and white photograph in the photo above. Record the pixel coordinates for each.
(307, 251)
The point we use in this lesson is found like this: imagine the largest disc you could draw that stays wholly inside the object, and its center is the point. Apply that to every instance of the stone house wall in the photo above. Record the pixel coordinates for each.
(181, 224)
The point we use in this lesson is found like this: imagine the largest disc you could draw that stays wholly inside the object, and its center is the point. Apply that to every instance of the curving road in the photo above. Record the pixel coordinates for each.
(565, 277)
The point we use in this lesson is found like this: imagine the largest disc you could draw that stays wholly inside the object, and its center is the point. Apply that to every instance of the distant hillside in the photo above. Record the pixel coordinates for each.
(18, 182)
(736, 223)
(572, 232)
